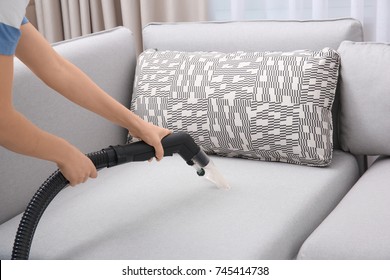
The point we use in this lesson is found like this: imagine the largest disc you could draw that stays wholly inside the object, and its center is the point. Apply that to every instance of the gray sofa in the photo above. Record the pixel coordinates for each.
(163, 210)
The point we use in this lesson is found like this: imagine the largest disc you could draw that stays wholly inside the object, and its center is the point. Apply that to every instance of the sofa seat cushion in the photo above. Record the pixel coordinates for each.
(165, 211)
(359, 227)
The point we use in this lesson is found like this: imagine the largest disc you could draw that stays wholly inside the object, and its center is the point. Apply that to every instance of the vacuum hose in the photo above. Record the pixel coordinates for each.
(180, 143)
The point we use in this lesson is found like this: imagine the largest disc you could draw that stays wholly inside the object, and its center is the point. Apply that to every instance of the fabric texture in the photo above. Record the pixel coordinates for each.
(365, 98)
(11, 17)
(259, 35)
(359, 227)
(273, 106)
(165, 210)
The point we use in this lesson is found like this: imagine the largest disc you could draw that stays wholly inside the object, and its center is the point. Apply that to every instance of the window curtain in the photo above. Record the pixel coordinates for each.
(64, 19)
(373, 14)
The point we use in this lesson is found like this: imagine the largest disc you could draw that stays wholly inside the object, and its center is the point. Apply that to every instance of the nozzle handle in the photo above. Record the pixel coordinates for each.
(180, 142)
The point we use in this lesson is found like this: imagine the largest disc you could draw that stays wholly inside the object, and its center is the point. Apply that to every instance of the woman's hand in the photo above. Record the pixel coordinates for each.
(76, 167)
(149, 133)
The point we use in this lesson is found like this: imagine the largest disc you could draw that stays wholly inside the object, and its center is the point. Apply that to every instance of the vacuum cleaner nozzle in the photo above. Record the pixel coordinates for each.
(205, 167)
(181, 143)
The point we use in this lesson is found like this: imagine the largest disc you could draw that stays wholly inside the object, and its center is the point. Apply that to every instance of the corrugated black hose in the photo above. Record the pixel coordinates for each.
(38, 204)
(180, 143)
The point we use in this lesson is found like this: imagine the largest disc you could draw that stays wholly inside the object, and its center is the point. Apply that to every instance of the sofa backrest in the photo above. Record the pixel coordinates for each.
(263, 35)
(109, 59)
(365, 98)
(267, 35)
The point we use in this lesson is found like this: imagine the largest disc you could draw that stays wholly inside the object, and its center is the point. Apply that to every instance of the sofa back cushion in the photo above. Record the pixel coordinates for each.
(109, 59)
(365, 98)
(266, 35)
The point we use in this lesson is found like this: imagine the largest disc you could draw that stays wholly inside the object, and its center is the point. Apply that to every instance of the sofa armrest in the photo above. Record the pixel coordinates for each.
(359, 227)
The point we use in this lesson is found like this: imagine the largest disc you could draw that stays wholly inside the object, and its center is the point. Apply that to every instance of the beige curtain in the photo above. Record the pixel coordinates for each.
(64, 19)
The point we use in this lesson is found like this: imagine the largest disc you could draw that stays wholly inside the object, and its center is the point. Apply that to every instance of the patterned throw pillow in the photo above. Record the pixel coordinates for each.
(273, 106)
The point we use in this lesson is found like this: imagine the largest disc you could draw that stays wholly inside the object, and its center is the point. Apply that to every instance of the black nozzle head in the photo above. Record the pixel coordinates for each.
(200, 172)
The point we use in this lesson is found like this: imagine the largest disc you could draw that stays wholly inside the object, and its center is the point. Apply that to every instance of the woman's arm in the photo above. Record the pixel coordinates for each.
(72, 83)
(20, 135)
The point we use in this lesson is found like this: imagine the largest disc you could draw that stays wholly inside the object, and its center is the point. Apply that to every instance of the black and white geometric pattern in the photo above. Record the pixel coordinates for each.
(273, 106)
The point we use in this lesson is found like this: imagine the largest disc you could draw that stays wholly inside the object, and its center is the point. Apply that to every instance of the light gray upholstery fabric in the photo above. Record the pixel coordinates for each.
(365, 98)
(359, 227)
(266, 35)
(165, 211)
(102, 56)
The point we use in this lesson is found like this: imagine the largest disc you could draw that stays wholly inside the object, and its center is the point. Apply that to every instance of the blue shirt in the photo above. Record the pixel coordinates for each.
(11, 18)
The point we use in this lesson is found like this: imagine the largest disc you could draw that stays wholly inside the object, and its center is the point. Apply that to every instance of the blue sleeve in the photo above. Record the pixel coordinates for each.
(9, 37)
(24, 21)
(11, 17)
